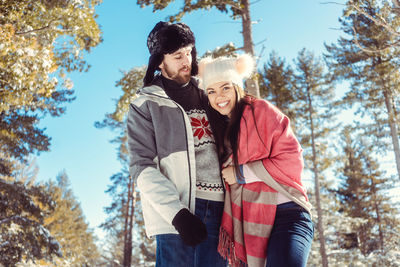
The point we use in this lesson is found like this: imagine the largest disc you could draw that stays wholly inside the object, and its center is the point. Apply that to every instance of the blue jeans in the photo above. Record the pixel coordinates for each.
(291, 236)
(172, 252)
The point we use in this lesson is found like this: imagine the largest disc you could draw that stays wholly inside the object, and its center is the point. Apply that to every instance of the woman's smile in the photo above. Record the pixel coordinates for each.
(223, 104)
(222, 97)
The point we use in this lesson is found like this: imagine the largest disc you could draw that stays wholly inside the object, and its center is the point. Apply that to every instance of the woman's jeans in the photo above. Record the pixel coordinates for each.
(172, 252)
(291, 237)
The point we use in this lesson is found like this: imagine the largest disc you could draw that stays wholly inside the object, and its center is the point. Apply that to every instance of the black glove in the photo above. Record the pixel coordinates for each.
(191, 229)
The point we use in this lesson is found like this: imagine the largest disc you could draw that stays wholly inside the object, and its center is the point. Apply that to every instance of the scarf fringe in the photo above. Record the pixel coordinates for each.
(226, 248)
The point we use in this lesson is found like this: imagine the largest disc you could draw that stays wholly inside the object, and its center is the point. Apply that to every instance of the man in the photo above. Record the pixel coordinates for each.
(173, 154)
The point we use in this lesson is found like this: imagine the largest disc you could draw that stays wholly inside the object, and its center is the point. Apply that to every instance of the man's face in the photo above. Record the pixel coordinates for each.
(177, 66)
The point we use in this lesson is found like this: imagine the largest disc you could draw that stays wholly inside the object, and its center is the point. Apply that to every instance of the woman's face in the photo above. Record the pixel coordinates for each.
(222, 97)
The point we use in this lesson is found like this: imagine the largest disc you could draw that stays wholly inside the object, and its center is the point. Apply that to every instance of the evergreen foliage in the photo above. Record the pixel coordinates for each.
(23, 236)
(314, 112)
(277, 85)
(225, 6)
(363, 196)
(370, 63)
(347, 213)
(125, 221)
(39, 42)
(67, 224)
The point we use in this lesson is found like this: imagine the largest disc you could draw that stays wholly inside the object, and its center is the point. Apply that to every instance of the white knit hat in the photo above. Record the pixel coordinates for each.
(233, 69)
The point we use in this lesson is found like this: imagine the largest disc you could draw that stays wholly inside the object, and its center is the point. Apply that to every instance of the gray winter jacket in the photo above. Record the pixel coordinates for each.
(162, 158)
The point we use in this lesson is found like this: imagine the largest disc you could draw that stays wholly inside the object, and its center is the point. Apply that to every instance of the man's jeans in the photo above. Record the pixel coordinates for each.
(172, 252)
(291, 237)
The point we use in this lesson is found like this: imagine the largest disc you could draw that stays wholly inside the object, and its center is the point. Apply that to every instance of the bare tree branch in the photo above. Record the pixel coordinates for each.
(238, 48)
(330, 2)
(260, 54)
(38, 30)
(233, 4)
(260, 42)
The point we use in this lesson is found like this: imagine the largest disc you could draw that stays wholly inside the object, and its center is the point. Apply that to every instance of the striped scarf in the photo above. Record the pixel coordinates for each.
(247, 221)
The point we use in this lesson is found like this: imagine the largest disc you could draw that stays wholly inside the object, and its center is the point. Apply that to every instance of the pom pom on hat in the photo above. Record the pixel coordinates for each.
(225, 69)
(245, 65)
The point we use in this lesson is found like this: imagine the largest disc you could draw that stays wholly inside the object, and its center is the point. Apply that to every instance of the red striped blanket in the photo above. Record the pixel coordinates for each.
(247, 222)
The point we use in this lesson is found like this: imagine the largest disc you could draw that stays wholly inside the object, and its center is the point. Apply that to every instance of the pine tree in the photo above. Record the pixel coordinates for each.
(369, 61)
(120, 212)
(125, 223)
(393, 9)
(125, 220)
(315, 117)
(277, 84)
(334, 225)
(34, 59)
(363, 195)
(23, 235)
(67, 224)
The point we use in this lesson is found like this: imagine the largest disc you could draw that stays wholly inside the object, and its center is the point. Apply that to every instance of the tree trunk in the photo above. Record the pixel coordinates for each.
(393, 129)
(378, 215)
(128, 228)
(125, 231)
(131, 216)
(320, 226)
(251, 84)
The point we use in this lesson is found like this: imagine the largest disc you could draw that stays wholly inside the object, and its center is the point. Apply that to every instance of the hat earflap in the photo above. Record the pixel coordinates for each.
(154, 61)
(195, 64)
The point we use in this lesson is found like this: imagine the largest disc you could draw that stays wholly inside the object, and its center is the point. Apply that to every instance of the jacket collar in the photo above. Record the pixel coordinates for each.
(157, 87)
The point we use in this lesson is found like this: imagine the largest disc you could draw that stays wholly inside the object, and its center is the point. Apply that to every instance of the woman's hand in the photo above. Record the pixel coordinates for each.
(229, 175)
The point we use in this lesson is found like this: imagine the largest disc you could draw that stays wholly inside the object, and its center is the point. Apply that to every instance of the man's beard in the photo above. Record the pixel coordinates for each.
(178, 77)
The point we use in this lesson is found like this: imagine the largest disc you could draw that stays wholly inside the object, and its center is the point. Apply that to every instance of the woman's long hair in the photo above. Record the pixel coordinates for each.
(226, 130)
(231, 137)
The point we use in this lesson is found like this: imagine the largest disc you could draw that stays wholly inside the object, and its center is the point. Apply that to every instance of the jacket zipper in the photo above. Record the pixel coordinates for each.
(187, 144)
(187, 153)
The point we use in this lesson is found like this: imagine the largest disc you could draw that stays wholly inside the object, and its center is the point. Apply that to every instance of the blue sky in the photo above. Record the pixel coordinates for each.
(85, 152)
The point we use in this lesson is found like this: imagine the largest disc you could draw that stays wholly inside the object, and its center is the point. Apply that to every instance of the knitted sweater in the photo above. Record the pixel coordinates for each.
(208, 180)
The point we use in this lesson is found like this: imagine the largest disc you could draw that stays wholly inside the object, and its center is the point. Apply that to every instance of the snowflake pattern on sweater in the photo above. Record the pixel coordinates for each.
(206, 156)
(208, 177)
(201, 128)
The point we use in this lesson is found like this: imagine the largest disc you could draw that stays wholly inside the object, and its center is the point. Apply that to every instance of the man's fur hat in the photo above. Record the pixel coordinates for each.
(166, 38)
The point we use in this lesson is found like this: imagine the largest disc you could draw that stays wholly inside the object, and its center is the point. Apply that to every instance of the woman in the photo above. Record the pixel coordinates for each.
(266, 219)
